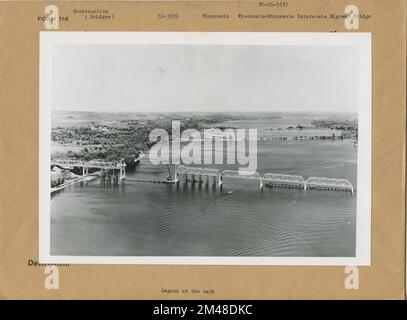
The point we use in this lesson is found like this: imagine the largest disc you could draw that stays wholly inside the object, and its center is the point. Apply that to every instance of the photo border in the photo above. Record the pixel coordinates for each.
(362, 40)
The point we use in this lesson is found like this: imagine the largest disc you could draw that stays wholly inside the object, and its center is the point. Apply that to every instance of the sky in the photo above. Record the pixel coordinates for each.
(204, 78)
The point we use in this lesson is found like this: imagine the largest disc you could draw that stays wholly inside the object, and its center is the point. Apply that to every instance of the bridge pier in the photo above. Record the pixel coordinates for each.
(207, 182)
(115, 177)
(85, 171)
(122, 174)
(102, 177)
(109, 177)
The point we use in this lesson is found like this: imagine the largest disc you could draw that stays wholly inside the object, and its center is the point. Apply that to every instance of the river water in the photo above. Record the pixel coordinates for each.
(144, 219)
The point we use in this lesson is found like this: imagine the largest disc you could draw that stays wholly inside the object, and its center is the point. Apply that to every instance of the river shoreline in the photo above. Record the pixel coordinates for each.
(71, 182)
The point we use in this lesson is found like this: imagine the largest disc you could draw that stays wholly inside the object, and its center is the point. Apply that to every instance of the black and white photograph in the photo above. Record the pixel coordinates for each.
(205, 148)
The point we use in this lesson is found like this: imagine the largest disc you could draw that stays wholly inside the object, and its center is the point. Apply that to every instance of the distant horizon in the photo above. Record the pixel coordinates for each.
(184, 111)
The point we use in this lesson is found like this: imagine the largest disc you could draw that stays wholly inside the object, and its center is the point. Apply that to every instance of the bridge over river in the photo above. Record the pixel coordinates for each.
(115, 171)
(202, 175)
(108, 170)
